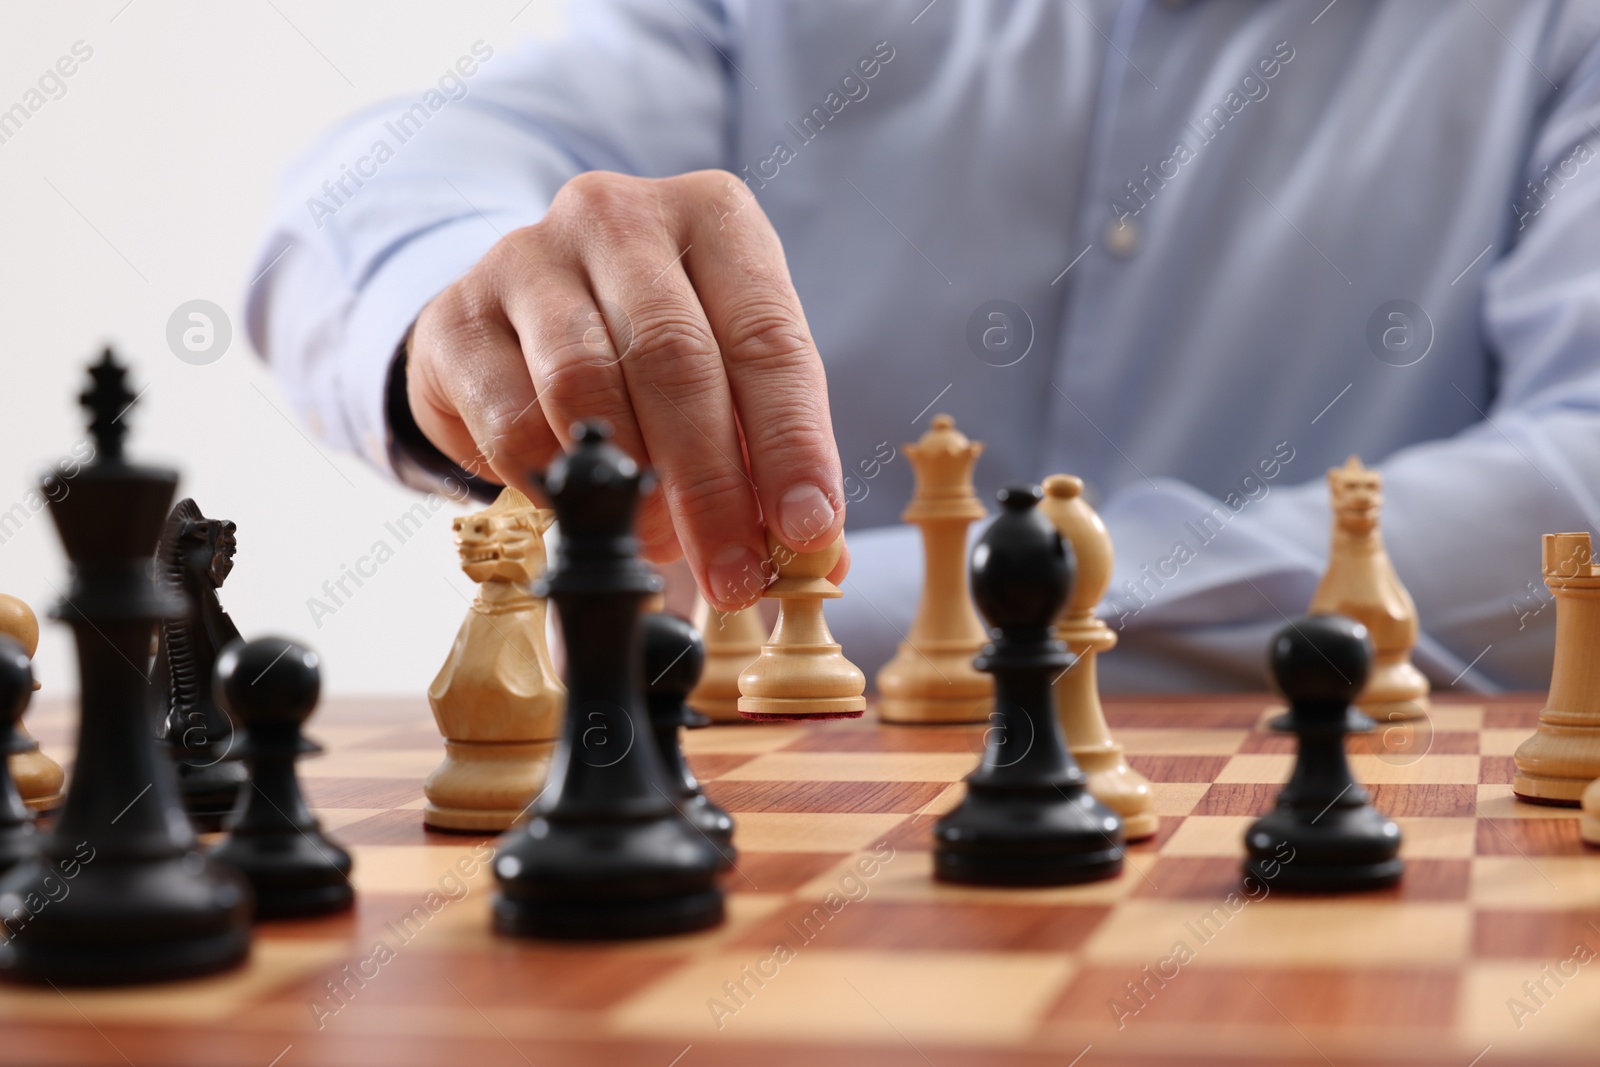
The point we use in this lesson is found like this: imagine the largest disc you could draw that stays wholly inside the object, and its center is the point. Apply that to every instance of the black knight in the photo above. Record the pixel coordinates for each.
(196, 556)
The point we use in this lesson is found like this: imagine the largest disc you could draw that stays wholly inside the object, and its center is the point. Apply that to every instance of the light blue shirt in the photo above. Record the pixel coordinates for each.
(1194, 253)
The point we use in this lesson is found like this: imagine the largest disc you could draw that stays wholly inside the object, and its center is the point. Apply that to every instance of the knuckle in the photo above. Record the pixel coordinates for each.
(796, 430)
(508, 439)
(674, 336)
(769, 336)
(460, 320)
(597, 196)
(509, 258)
(699, 184)
(710, 494)
(579, 385)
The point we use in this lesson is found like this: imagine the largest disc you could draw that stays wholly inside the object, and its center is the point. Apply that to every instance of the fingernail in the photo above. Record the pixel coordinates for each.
(735, 577)
(804, 512)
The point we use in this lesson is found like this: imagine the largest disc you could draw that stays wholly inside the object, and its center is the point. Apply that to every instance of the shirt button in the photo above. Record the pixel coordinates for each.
(1122, 238)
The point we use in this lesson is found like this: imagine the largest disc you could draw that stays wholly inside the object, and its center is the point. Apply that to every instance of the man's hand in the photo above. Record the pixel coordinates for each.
(663, 306)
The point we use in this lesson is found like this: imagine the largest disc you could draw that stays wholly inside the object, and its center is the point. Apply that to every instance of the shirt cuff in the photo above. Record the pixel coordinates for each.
(390, 300)
(417, 461)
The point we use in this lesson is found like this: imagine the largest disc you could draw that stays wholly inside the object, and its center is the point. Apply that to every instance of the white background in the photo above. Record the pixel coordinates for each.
(147, 185)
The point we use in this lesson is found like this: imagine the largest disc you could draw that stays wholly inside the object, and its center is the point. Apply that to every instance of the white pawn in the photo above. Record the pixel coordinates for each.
(801, 672)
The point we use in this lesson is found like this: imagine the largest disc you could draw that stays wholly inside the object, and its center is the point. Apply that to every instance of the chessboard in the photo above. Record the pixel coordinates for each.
(840, 949)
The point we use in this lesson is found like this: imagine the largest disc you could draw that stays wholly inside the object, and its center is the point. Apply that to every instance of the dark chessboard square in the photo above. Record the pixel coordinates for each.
(1531, 837)
(1238, 798)
(777, 872)
(403, 827)
(1215, 877)
(1179, 768)
(1179, 712)
(1425, 800)
(709, 765)
(361, 792)
(1268, 742)
(1549, 936)
(892, 739)
(915, 834)
(1276, 998)
(1512, 716)
(856, 797)
(1496, 770)
(942, 927)
(1404, 741)
(541, 977)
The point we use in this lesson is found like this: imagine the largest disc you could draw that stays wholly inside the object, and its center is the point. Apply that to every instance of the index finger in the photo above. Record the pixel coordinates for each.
(780, 391)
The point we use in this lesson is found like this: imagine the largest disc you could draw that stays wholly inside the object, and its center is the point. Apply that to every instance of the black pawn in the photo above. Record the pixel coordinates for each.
(1323, 835)
(271, 686)
(119, 890)
(1028, 817)
(674, 656)
(604, 852)
(17, 840)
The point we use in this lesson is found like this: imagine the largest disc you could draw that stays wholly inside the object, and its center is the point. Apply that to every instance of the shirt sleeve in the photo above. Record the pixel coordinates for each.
(396, 203)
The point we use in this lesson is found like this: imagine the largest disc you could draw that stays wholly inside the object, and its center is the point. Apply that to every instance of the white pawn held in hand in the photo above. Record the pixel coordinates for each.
(802, 672)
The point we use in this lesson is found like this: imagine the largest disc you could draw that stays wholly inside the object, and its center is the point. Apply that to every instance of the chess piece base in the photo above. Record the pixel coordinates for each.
(721, 711)
(1122, 789)
(779, 708)
(934, 682)
(1024, 837)
(1356, 721)
(1396, 690)
(1589, 824)
(47, 804)
(293, 876)
(1555, 792)
(1343, 850)
(583, 881)
(39, 779)
(1396, 710)
(469, 820)
(127, 923)
(1557, 763)
(210, 791)
(712, 821)
(485, 785)
(1327, 880)
(590, 920)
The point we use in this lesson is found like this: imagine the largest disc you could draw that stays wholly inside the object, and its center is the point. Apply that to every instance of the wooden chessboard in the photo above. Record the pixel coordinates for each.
(882, 966)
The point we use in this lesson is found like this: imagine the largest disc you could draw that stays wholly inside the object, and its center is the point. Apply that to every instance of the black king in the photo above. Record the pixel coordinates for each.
(147, 904)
